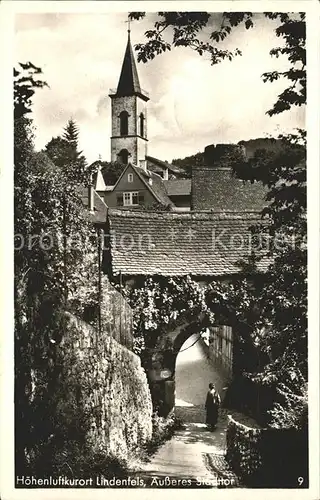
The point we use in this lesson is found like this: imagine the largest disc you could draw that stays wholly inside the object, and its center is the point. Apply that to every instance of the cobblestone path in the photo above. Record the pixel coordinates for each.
(194, 456)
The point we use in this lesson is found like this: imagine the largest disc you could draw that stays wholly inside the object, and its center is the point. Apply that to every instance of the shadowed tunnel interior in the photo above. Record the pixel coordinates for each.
(193, 373)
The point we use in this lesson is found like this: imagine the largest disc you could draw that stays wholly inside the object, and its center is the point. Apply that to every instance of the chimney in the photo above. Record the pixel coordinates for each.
(166, 175)
(90, 196)
(143, 164)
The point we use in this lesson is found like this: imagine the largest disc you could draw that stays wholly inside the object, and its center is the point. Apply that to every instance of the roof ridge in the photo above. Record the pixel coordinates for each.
(196, 215)
(170, 166)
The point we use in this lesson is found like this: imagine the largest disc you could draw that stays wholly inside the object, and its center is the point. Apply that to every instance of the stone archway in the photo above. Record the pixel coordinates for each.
(163, 362)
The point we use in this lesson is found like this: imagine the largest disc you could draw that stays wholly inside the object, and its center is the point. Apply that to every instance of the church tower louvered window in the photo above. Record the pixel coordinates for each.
(124, 123)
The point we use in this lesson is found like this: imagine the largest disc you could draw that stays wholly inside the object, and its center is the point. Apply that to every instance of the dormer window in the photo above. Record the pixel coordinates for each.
(124, 123)
(130, 177)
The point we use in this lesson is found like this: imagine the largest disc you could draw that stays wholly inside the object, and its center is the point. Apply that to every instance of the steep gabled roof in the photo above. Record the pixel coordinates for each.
(177, 244)
(156, 186)
(159, 190)
(99, 184)
(129, 80)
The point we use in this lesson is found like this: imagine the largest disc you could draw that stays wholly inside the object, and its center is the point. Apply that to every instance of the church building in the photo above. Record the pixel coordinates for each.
(144, 181)
(129, 141)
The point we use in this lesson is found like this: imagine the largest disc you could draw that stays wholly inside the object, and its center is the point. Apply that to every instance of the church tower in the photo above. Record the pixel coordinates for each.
(129, 115)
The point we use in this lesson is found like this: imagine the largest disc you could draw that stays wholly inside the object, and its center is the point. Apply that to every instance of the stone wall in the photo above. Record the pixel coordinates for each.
(268, 458)
(103, 391)
(116, 315)
(215, 188)
(136, 145)
(128, 104)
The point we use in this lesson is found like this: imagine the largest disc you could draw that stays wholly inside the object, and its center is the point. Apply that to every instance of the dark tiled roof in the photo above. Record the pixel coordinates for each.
(173, 244)
(178, 187)
(164, 164)
(156, 187)
(129, 80)
(144, 173)
(100, 208)
(217, 189)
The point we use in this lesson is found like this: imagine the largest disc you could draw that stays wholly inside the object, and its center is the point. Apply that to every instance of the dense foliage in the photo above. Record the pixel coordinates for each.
(282, 298)
(158, 302)
(188, 162)
(55, 268)
(111, 171)
(273, 312)
(267, 458)
(63, 151)
(186, 29)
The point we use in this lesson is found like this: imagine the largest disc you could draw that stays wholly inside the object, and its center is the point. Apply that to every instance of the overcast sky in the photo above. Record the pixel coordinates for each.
(192, 104)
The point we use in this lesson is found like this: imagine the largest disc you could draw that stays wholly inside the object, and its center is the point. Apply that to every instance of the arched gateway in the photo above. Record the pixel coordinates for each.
(165, 245)
(216, 344)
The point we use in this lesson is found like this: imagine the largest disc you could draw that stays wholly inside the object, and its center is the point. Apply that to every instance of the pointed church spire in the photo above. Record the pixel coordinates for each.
(129, 80)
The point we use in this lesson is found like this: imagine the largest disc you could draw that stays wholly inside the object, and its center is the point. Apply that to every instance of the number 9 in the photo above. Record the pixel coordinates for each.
(300, 480)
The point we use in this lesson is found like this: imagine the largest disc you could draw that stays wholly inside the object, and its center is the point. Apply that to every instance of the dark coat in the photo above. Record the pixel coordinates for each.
(212, 407)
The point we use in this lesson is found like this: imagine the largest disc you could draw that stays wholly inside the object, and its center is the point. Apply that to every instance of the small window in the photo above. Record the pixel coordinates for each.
(141, 124)
(135, 198)
(130, 177)
(126, 199)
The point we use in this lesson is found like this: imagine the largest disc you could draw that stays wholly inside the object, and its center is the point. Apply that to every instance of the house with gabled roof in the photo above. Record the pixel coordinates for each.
(137, 187)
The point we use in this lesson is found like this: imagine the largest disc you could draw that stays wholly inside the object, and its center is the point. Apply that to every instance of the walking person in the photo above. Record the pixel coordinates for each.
(212, 407)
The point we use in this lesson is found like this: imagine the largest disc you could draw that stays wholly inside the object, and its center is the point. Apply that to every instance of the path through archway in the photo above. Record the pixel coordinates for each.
(193, 373)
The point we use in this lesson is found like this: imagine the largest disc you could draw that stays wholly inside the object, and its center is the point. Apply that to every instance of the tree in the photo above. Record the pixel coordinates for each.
(26, 81)
(56, 149)
(63, 151)
(111, 171)
(71, 133)
(283, 298)
(189, 162)
(55, 268)
(185, 29)
(273, 313)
